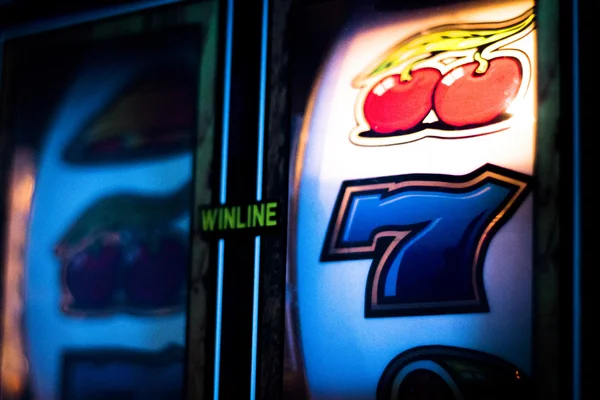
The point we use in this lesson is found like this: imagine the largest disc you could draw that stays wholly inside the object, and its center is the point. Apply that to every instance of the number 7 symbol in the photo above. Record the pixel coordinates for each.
(427, 236)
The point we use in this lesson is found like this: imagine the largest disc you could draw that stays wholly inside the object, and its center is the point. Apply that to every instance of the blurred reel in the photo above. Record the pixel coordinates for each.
(451, 373)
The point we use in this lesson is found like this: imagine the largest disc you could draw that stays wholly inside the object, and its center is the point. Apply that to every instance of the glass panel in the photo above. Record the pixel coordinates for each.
(101, 123)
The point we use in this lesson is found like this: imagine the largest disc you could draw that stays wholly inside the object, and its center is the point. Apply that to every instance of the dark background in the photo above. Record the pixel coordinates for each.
(15, 12)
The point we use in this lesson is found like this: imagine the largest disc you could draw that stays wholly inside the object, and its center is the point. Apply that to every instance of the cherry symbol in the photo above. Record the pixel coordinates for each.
(465, 97)
(393, 105)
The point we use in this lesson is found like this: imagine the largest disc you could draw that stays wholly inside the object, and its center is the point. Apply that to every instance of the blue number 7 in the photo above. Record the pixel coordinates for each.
(427, 236)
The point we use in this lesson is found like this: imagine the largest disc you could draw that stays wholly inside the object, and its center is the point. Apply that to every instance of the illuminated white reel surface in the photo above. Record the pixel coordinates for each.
(346, 338)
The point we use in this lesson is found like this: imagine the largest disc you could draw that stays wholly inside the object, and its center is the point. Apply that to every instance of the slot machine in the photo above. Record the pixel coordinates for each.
(293, 199)
(107, 118)
(430, 202)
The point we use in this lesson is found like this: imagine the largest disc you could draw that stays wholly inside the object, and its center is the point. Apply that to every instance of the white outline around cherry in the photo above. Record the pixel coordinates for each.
(458, 58)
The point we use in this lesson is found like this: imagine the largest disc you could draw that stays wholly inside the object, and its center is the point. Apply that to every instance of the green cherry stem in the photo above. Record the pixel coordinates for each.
(483, 63)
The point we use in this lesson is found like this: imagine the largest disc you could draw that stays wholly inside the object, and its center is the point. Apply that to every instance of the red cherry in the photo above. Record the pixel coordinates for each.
(464, 97)
(393, 105)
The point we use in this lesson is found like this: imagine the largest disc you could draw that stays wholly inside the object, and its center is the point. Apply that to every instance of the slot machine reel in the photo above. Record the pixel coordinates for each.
(378, 266)
(451, 373)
